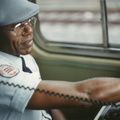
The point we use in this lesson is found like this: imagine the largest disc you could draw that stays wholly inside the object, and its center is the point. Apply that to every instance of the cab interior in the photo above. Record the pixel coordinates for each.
(77, 61)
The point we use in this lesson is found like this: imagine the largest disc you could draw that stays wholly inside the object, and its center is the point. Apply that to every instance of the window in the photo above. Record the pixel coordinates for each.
(85, 27)
(113, 8)
(73, 21)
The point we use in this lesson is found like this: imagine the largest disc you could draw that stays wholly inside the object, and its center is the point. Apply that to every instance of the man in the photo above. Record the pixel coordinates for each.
(18, 100)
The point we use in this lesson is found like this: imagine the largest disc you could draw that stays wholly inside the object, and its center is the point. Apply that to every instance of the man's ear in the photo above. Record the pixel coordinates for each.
(1, 29)
(1, 34)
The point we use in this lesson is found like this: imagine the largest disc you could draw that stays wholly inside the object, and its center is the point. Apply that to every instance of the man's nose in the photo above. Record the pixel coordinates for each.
(28, 30)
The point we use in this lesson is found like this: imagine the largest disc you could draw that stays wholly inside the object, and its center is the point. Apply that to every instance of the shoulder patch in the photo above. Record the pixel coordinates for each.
(8, 71)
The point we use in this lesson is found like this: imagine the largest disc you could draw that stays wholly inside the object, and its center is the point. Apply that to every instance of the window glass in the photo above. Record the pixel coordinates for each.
(73, 21)
(113, 7)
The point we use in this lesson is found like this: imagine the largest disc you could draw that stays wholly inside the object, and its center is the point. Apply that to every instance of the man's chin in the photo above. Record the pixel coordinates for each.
(28, 51)
(25, 52)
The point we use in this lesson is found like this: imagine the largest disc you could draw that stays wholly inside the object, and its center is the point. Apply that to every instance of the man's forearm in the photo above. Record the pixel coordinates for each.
(102, 89)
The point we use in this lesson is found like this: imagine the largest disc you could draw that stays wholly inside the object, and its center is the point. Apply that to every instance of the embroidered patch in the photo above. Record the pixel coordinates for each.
(8, 71)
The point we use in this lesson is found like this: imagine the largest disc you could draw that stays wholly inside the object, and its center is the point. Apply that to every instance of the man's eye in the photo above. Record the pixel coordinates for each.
(22, 25)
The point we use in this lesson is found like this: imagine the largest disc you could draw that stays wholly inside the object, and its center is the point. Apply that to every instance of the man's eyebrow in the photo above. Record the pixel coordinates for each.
(12, 25)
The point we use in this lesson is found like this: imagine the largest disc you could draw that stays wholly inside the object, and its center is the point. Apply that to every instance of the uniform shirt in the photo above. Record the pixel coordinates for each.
(13, 100)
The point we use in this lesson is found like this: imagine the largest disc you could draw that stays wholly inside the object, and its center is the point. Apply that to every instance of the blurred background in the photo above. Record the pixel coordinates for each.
(78, 21)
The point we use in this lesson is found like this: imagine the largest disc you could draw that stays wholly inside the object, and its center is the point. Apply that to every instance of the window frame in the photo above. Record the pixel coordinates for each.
(105, 51)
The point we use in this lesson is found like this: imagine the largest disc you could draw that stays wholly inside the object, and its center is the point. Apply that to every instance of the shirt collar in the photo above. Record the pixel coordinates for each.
(14, 60)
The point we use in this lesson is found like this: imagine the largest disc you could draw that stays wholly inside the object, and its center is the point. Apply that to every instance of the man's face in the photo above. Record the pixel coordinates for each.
(17, 42)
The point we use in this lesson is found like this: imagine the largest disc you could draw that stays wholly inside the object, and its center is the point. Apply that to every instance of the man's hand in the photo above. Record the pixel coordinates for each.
(57, 115)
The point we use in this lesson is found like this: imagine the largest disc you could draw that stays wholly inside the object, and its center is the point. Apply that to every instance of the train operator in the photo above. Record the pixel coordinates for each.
(18, 68)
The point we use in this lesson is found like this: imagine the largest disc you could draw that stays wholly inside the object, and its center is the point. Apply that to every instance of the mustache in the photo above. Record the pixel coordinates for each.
(27, 36)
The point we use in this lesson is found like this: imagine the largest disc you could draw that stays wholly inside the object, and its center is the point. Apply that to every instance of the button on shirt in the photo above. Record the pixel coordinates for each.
(13, 100)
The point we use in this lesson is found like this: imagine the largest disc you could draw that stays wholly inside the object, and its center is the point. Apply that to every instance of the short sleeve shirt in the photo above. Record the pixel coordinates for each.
(15, 88)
